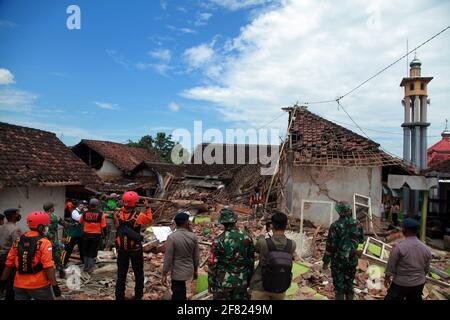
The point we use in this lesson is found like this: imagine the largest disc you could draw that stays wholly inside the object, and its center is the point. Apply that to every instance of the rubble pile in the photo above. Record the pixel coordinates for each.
(310, 282)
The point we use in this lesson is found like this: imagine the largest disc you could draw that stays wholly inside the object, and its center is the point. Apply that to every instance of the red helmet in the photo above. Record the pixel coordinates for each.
(130, 198)
(35, 219)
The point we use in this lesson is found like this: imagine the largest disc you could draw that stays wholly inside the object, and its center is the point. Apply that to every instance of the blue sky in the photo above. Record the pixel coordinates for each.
(138, 67)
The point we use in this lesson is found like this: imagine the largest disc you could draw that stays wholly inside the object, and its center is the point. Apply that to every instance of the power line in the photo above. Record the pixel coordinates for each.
(379, 72)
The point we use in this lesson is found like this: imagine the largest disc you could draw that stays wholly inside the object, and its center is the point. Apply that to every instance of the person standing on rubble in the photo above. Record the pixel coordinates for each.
(52, 235)
(94, 224)
(344, 236)
(408, 265)
(129, 243)
(9, 232)
(273, 275)
(181, 258)
(31, 256)
(74, 233)
(231, 261)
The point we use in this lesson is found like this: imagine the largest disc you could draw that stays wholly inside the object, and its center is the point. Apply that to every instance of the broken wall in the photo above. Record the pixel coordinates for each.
(32, 199)
(109, 171)
(333, 184)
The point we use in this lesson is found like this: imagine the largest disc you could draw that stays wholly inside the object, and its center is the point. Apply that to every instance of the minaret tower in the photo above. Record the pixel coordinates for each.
(415, 124)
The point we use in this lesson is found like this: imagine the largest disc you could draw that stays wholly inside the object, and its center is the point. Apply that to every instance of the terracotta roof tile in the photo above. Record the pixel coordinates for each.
(34, 157)
(121, 155)
(319, 142)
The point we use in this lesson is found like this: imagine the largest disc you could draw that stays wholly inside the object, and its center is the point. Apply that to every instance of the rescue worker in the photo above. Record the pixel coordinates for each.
(257, 201)
(181, 258)
(31, 255)
(129, 243)
(9, 232)
(74, 232)
(408, 265)
(94, 224)
(231, 261)
(344, 236)
(52, 235)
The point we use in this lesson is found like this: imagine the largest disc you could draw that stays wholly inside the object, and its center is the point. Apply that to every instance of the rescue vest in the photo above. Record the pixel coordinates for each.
(128, 234)
(92, 216)
(27, 248)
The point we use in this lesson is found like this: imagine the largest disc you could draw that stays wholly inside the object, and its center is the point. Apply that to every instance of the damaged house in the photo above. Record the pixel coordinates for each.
(36, 167)
(114, 164)
(323, 163)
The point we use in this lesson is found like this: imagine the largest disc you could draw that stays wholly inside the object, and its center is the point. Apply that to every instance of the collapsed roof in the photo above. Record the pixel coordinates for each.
(319, 142)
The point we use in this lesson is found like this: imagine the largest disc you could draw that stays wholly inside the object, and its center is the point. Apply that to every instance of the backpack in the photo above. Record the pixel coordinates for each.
(277, 271)
(27, 248)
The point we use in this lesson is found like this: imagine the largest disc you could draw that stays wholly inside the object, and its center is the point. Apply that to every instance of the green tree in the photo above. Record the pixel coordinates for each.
(162, 144)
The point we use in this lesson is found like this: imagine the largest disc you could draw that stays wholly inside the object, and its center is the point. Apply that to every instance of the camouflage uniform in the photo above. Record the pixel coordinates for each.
(231, 261)
(52, 235)
(344, 236)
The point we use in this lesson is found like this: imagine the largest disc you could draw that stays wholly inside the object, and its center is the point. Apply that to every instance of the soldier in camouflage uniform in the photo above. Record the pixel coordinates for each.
(231, 261)
(52, 235)
(344, 236)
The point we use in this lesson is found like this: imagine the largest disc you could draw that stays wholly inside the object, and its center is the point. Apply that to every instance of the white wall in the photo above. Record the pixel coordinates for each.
(32, 199)
(333, 184)
(109, 171)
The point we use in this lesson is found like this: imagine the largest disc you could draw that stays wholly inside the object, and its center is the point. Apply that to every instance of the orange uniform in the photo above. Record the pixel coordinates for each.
(43, 255)
(134, 220)
(93, 222)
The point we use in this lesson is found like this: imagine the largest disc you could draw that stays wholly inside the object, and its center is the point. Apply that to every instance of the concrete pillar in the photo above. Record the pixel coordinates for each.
(407, 144)
(423, 109)
(423, 148)
(407, 105)
(417, 146)
(416, 109)
(413, 155)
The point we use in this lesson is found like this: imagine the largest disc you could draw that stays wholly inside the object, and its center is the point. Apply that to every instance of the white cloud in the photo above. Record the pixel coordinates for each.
(162, 54)
(174, 107)
(181, 30)
(6, 77)
(199, 56)
(239, 4)
(15, 100)
(106, 105)
(118, 58)
(202, 18)
(7, 24)
(310, 50)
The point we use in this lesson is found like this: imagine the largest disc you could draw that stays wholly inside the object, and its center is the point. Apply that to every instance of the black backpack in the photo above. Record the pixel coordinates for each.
(27, 248)
(277, 271)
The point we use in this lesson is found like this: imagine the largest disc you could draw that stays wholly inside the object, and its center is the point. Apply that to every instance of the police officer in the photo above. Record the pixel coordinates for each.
(9, 232)
(231, 260)
(344, 236)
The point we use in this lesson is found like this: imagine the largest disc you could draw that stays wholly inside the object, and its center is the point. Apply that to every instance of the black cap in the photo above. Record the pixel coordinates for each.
(181, 217)
(10, 211)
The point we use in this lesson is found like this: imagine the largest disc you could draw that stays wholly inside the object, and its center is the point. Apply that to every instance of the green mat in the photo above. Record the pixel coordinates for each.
(448, 271)
(435, 276)
(202, 283)
(292, 289)
(374, 249)
(202, 219)
(298, 269)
